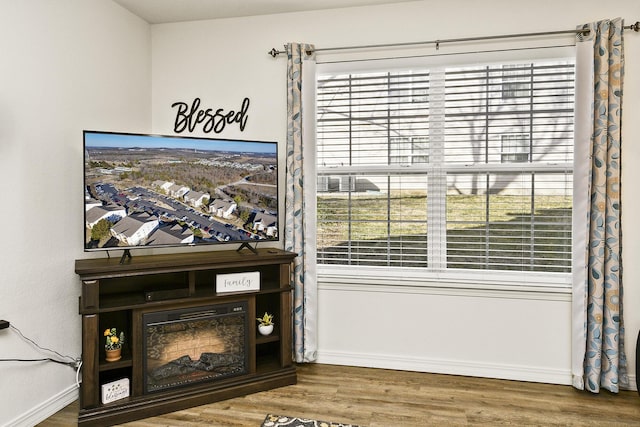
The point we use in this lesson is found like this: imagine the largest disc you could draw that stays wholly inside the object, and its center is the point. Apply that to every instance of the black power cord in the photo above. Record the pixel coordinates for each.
(46, 359)
(74, 363)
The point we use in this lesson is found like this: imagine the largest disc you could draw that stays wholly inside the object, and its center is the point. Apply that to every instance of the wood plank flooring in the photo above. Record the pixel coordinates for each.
(385, 398)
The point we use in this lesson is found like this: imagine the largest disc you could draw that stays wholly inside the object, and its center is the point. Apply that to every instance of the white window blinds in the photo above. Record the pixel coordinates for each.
(464, 167)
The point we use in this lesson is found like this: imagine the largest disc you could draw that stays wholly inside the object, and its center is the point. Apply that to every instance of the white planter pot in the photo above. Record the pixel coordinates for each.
(265, 329)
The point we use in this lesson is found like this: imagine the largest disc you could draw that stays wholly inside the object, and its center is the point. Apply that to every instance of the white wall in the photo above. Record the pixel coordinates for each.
(500, 334)
(66, 65)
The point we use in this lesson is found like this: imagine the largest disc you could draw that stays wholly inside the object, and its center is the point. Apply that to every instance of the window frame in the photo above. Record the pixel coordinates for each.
(535, 281)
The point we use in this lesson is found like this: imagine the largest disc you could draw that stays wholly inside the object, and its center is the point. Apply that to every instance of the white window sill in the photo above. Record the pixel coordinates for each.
(547, 286)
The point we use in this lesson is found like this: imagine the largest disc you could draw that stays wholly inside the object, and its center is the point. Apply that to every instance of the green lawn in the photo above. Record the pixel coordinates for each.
(502, 232)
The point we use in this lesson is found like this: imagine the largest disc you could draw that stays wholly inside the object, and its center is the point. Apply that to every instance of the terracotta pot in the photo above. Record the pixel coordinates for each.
(113, 355)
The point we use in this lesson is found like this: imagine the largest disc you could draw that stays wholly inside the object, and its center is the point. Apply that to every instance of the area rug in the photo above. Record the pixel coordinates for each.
(282, 421)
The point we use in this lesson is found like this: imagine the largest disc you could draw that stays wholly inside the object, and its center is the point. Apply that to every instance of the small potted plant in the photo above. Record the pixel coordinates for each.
(113, 344)
(265, 324)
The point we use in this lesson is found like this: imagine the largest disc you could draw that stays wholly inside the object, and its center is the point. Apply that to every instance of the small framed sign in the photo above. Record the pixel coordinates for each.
(238, 282)
(115, 390)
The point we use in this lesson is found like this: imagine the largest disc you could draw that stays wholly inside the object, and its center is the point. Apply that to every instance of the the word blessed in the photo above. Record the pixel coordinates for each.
(188, 117)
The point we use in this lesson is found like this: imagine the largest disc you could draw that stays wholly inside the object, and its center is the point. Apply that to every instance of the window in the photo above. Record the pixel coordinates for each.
(447, 169)
(515, 148)
(516, 81)
(409, 150)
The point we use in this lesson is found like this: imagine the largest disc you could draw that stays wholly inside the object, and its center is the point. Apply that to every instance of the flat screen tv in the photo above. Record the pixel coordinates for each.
(148, 191)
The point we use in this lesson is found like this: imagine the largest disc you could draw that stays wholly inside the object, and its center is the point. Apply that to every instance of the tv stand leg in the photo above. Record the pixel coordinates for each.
(248, 246)
(126, 257)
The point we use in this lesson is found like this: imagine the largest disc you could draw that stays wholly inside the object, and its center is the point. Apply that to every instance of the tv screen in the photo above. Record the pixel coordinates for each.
(161, 191)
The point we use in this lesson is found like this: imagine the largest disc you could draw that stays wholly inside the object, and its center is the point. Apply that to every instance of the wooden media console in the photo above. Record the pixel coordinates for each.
(183, 288)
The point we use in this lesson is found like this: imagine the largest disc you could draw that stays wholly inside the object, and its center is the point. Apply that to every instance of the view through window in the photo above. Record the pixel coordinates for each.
(465, 167)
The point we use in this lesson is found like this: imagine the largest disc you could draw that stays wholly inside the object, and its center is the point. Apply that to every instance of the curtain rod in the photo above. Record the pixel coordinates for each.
(635, 27)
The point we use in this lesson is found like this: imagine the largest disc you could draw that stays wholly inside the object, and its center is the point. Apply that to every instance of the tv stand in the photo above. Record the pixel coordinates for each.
(248, 246)
(126, 257)
(116, 295)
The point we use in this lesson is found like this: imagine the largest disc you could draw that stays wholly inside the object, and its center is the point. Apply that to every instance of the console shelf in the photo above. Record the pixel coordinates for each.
(119, 295)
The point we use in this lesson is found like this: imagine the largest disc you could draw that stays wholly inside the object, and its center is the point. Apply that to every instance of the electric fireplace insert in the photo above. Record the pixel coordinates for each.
(192, 345)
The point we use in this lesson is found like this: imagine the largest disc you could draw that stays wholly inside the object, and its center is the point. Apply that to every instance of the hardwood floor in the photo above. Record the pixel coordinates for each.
(385, 398)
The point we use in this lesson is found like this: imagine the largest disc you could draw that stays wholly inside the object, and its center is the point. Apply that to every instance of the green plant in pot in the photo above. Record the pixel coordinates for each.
(265, 324)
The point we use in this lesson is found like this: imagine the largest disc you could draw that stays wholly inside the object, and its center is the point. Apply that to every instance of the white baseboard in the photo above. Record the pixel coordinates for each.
(466, 368)
(46, 409)
(633, 385)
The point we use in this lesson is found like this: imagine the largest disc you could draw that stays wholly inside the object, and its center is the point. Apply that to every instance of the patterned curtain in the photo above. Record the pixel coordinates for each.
(598, 328)
(300, 204)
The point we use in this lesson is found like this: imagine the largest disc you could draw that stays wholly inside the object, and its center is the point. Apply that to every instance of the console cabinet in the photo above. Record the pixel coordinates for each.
(119, 295)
